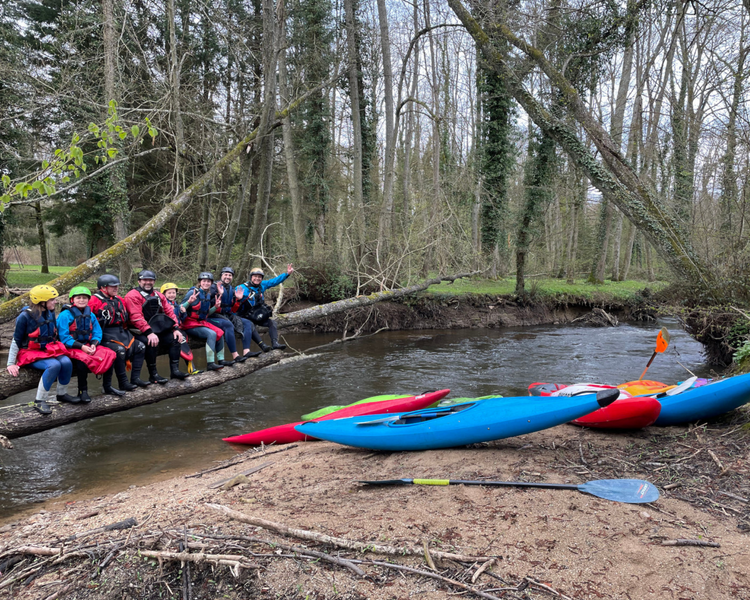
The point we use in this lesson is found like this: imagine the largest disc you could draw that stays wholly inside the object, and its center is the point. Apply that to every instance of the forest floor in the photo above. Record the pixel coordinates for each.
(506, 542)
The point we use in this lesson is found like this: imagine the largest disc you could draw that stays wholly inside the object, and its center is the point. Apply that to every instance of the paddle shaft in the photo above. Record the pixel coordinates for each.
(557, 486)
(653, 356)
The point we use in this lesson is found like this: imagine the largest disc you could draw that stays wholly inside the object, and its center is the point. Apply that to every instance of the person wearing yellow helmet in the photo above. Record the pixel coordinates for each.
(35, 343)
(250, 304)
(82, 335)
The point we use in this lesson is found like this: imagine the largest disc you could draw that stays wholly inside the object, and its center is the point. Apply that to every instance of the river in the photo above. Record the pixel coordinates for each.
(181, 435)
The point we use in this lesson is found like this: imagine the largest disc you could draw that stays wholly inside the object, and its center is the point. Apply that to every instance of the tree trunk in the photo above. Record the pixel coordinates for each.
(117, 193)
(616, 243)
(628, 253)
(357, 157)
(384, 226)
(298, 220)
(42, 237)
(205, 222)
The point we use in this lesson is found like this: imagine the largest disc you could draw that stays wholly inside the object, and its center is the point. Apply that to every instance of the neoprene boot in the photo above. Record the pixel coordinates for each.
(107, 385)
(252, 354)
(42, 407)
(83, 396)
(264, 347)
(220, 359)
(240, 358)
(63, 396)
(174, 370)
(212, 366)
(276, 346)
(153, 375)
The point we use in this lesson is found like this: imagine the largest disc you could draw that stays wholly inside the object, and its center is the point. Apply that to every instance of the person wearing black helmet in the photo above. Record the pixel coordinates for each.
(225, 319)
(250, 303)
(199, 303)
(153, 322)
(110, 311)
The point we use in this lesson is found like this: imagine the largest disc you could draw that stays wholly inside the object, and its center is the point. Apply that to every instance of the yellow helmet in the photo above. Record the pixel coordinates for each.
(42, 293)
(168, 286)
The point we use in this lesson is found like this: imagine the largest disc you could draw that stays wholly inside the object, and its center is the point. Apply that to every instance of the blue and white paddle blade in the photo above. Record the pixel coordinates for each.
(632, 491)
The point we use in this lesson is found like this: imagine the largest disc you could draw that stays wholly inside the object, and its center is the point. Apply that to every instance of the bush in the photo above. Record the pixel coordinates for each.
(325, 284)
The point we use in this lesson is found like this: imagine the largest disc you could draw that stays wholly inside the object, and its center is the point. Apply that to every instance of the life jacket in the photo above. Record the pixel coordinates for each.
(227, 297)
(199, 310)
(177, 312)
(45, 333)
(153, 312)
(81, 328)
(256, 296)
(113, 313)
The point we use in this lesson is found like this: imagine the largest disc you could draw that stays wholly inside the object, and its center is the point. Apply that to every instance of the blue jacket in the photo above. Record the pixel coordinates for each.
(26, 328)
(255, 295)
(78, 337)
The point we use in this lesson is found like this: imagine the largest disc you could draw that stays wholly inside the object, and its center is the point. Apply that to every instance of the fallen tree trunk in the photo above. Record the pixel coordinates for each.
(21, 419)
(28, 379)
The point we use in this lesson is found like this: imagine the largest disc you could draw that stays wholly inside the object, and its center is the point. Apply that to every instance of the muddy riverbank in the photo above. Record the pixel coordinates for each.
(511, 543)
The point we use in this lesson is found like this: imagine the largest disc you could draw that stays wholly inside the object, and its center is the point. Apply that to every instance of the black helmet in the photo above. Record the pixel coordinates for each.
(227, 270)
(146, 274)
(107, 279)
(205, 275)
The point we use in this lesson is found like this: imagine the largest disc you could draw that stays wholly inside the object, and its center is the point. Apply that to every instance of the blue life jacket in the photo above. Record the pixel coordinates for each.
(44, 333)
(81, 329)
(202, 304)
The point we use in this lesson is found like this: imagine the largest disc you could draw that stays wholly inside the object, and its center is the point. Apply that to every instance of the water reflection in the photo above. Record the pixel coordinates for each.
(184, 434)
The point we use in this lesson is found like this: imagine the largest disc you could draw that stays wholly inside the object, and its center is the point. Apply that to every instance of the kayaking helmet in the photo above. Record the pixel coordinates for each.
(205, 275)
(79, 291)
(42, 293)
(257, 271)
(168, 286)
(227, 270)
(146, 274)
(107, 279)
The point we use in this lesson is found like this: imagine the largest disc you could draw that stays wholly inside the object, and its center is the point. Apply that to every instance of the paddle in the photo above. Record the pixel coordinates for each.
(631, 491)
(662, 341)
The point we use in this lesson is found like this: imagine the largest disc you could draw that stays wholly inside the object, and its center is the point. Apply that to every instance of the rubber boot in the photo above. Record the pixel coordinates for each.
(63, 396)
(83, 396)
(122, 377)
(174, 370)
(264, 347)
(153, 375)
(107, 385)
(276, 346)
(135, 374)
(40, 404)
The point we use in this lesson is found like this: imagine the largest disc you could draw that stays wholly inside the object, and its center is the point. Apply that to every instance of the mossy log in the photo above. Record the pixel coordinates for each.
(22, 419)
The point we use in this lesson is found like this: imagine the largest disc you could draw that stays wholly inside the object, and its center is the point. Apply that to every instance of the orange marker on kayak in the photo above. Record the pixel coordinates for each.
(662, 341)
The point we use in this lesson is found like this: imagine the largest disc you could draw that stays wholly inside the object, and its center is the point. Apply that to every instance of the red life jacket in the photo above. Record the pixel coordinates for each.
(113, 313)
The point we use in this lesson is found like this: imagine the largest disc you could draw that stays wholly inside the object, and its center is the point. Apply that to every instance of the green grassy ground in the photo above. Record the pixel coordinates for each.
(31, 275)
(546, 287)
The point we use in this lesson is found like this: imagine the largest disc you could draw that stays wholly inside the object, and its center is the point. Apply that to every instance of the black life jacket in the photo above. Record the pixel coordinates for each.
(113, 313)
(45, 332)
(82, 327)
(153, 312)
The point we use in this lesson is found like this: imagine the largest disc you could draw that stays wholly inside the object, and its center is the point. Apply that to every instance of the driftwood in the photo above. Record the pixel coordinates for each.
(700, 543)
(304, 534)
(232, 560)
(21, 419)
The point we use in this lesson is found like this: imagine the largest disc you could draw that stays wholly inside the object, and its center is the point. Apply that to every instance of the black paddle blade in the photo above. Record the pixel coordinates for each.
(631, 491)
(607, 397)
(388, 482)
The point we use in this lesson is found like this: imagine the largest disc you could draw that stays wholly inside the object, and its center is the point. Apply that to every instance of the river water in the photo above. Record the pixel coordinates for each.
(181, 435)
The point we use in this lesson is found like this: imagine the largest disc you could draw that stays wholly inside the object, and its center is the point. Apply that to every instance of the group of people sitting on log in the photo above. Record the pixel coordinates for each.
(104, 333)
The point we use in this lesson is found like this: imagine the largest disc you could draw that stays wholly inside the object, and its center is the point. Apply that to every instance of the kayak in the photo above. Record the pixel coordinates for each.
(457, 425)
(705, 401)
(627, 413)
(327, 410)
(286, 434)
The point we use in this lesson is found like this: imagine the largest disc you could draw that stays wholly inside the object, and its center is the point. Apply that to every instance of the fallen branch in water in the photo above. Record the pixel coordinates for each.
(322, 538)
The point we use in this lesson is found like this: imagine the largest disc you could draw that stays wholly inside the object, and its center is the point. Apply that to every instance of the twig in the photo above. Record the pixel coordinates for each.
(740, 498)
(436, 576)
(126, 524)
(546, 588)
(248, 455)
(481, 570)
(233, 560)
(344, 543)
(718, 462)
(218, 484)
(341, 340)
(682, 542)
(427, 556)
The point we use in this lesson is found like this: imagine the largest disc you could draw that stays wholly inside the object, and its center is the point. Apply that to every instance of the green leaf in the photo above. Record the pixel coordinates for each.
(112, 152)
(96, 160)
(4, 199)
(65, 179)
(135, 130)
(153, 133)
(37, 185)
(45, 164)
(6, 181)
(123, 135)
(20, 187)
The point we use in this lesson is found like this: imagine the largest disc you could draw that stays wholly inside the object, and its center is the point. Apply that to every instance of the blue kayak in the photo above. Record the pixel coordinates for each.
(457, 425)
(705, 401)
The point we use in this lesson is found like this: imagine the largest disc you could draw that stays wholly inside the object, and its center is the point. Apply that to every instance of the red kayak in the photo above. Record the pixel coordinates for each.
(626, 412)
(286, 434)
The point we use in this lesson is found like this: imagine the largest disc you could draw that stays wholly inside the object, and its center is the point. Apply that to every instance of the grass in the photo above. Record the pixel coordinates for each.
(31, 275)
(545, 287)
